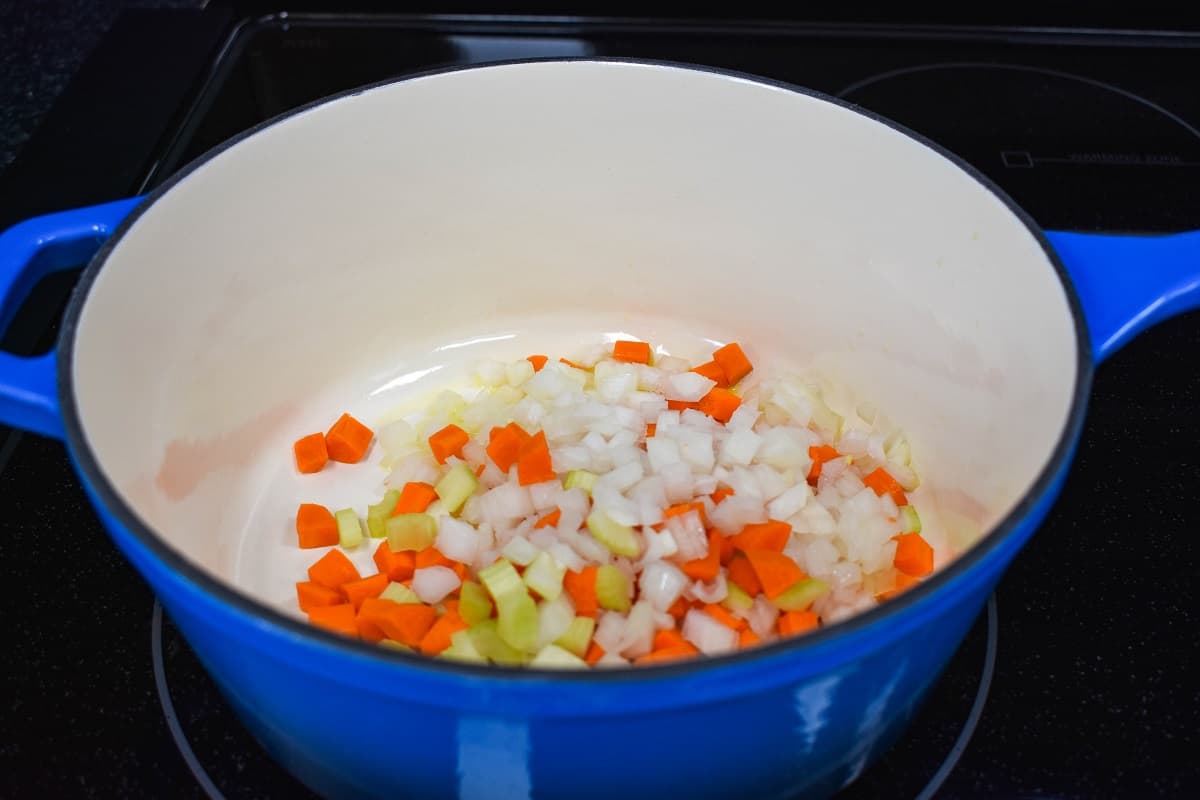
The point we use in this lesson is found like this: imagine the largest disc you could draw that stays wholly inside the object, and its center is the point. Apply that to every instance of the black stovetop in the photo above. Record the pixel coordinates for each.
(1078, 680)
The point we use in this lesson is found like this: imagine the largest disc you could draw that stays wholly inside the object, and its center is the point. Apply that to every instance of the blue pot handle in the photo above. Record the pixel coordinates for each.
(1128, 283)
(28, 251)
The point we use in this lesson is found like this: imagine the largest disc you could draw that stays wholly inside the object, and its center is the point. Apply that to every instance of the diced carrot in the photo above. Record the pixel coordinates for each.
(720, 404)
(537, 361)
(679, 608)
(728, 550)
(450, 604)
(310, 452)
(882, 483)
(776, 572)
(667, 654)
(722, 615)
(415, 497)
(668, 637)
(683, 508)
(769, 535)
(582, 588)
(681, 405)
(903, 584)
(438, 637)
(397, 566)
(712, 370)
(368, 630)
(314, 595)
(794, 623)
(819, 456)
(651, 429)
(432, 557)
(533, 461)
(504, 445)
(594, 653)
(748, 638)
(347, 441)
(914, 556)
(733, 361)
(707, 568)
(339, 619)
(572, 364)
(357, 591)
(332, 570)
(315, 526)
(720, 494)
(741, 573)
(632, 352)
(448, 442)
(550, 520)
(405, 622)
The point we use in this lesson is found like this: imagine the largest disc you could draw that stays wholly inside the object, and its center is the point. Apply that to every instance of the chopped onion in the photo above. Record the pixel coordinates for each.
(609, 631)
(762, 616)
(662, 583)
(790, 502)
(544, 496)
(638, 636)
(687, 386)
(708, 635)
(520, 551)
(691, 540)
(554, 617)
(713, 591)
(433, 584)
(457, 540)
(507, 502)
(659, 544)
(735, 513)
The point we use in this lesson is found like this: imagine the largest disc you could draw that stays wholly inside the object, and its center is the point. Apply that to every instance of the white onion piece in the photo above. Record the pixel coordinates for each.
(544, 496)
(736, 512)
(662, 452)
(505, 503)
(609, 631)
(573, 502)
(704, 484)
(673, 365)
(417, 467)
(621, 478)
(744, 417)
(457, 540)
(762, 616)
(542, 538)
(661, 584)
(708, 635)
(678, 482)
(433, 584)
(566, 556)
(691, 540)
(740, 448)
(687, 386)
(785, 448)
(853, 443)
(611, 659)
(518, 372)
(713, 591)
(491, 372)
(790, 502)
(637, 638)
(659, 544)
(395, 437)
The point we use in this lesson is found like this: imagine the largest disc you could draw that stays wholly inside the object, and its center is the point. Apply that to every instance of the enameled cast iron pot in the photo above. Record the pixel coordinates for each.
(323, 260)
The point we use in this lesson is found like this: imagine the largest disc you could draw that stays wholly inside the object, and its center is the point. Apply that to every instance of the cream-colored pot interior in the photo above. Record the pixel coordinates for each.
(362, 253)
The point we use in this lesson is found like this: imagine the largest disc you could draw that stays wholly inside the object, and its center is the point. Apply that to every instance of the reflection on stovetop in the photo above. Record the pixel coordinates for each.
(1078, 681)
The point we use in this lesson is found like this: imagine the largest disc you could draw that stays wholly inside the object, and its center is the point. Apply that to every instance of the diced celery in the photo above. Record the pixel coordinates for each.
(801, 595)
(399, 593)
(392, 644)
(474, 605)
(486, 638)
(618, 538)
(910, 520)
(613, 590)
(377, 514)
(350, 534)
(410, 531)
(578, 635)
(545, 576)
(554, 657)
(516, 613)
(462, 648)
(736, 599)
(456, 486)
(580, 479)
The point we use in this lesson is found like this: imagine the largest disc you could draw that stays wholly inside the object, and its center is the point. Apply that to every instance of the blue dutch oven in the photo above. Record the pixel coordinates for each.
(343, 255)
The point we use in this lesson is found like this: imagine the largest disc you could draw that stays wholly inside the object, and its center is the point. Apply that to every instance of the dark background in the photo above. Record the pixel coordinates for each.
(122, 748)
